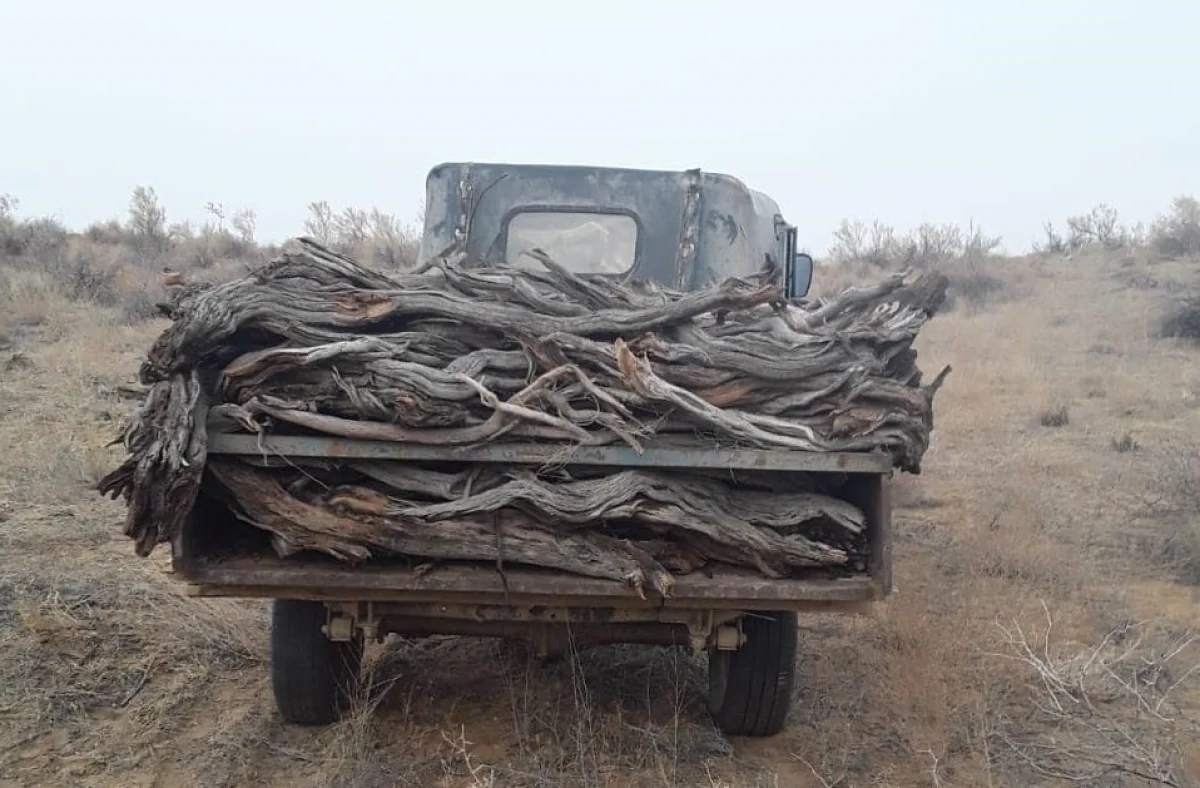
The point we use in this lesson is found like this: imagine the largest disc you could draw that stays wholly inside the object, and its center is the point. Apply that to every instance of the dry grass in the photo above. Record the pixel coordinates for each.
(1042, 623)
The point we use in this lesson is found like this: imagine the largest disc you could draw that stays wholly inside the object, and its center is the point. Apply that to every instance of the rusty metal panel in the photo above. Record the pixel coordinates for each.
(542, 454)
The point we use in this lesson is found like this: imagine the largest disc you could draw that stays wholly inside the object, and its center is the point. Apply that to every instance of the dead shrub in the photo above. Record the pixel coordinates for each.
(1181, 549)
(373, 237)
(1054, 243)
(1111, 710)
(138, 307)
(31, 238)
(929, 246)
(1177, 233)
(1171, 508)
(976, 287)
(1182, 321)
(965, 255)
(1057, 416)
(1101, 227)
(1124, 444)
(83, 279)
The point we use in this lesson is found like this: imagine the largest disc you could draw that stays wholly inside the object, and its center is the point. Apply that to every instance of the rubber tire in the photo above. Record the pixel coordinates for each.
(313, 677)
(750, 690)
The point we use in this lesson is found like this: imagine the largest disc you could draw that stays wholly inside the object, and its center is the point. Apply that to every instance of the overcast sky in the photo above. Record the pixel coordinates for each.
(944, 110)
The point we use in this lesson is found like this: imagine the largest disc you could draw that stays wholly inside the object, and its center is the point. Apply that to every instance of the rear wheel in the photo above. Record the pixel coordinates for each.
(313, 677)
(750, 689)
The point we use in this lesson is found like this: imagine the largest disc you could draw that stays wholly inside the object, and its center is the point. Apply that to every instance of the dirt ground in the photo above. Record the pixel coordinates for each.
(1043, 631)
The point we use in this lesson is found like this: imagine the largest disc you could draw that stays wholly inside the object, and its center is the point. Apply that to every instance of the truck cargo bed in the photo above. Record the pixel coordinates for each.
(213, 570)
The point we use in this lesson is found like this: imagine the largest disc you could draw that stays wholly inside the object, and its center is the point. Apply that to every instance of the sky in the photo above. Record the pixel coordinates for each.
(1006, 113)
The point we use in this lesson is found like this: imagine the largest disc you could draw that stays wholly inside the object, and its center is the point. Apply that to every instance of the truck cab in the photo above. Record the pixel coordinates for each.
(680, 229)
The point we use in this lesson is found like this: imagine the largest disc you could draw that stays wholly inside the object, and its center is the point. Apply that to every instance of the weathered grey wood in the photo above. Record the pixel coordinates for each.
(543, 368)
(167, 447)
(340, 529)
(658, 454)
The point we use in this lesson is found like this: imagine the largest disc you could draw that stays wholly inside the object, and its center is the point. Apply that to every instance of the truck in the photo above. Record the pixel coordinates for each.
(685, 229)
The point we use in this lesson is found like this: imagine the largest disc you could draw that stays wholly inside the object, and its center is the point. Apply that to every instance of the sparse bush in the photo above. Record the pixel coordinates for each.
(28, 238)
(963, 255)
(147, 219)
(1124, 444)
(1138, 280)
(245, 223)
(1181, 548)
(138, 307)
(1111, 709)
(975, 286)
(1101, 227)
(393, 244)
(1054, 243)
(108, 233)
(1174, 507)
(929, 246)
(372, 237)
(82, 279)
(1182, 321)
(1057, 416)
(1177, 234)
(320, 224)
(856, 242)
(37, 238)
(8, 219)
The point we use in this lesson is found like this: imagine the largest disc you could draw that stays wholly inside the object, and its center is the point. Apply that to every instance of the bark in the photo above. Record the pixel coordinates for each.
(458, 354)
(350, 529)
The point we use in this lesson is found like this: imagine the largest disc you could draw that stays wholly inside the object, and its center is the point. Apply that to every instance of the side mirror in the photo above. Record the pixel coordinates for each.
(799, 275)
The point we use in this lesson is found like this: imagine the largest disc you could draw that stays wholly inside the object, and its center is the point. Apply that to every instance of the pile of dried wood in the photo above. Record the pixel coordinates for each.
(455, 354)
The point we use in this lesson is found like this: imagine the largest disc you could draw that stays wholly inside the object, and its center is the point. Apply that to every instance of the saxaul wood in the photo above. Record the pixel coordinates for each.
(456, 354)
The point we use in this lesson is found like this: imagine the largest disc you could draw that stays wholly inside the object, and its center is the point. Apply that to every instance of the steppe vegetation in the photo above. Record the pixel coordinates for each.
(1044, 629)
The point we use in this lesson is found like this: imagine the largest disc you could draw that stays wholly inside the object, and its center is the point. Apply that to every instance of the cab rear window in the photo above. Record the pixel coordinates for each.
(583, 243)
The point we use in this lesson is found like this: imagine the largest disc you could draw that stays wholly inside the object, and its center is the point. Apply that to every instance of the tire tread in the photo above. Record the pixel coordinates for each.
(760, 676)
(312, 677)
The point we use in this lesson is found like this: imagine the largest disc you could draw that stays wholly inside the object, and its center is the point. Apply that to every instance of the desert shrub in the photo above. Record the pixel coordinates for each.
(31, 238)
(929, 246)
(372, 237)
(138, 307)
(1057, 416)
(147, 220)
(964, 255)
(1101, 227)
(1124, 444)
(1177, 233)
(857, 242)
(1175, 509)
(79, 276)
(201, 249)
(8, 219)
(976, 286)
(1182, 321)
(1054, 243)
(108, 232)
